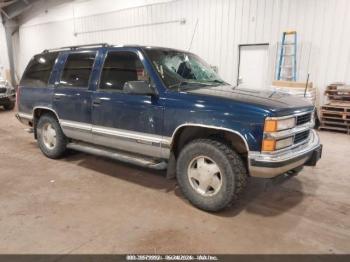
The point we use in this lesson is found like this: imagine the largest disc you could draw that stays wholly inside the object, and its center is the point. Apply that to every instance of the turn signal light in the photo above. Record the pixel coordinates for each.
(268, 145)
(270, 126)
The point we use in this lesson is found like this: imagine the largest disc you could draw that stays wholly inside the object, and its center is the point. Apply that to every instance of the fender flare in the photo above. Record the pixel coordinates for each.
(208, 127)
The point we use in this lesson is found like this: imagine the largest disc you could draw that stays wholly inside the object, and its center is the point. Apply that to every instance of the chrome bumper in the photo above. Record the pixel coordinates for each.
(7, 97)
(25, 119)
(270, 165)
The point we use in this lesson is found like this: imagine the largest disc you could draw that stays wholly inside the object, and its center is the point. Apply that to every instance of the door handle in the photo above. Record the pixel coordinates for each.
(96, 102)
(58, 96)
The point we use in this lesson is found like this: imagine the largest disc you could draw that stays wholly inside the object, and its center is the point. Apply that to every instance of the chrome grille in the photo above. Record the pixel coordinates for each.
(302, 119)
(300, 137)
(2, 90)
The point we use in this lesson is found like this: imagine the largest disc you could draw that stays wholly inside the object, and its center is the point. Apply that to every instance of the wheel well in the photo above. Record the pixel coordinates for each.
(38, 112)
(188, 133)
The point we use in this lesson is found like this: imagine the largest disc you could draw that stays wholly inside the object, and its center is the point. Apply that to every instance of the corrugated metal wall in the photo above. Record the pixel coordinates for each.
(4, 61)
(323, 28)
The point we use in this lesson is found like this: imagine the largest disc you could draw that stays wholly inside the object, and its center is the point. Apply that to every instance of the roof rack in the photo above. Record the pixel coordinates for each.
(75, 47)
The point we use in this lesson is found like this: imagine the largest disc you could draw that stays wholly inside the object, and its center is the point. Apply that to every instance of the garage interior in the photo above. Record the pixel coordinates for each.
(85, 204)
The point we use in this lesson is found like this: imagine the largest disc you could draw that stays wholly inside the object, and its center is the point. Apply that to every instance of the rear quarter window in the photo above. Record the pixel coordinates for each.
(38, 71)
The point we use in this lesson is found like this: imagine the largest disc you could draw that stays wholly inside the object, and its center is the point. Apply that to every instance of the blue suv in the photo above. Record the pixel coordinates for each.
(165, 109)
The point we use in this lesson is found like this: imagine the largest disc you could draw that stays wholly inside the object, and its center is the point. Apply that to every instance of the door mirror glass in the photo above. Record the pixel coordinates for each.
(138, 88)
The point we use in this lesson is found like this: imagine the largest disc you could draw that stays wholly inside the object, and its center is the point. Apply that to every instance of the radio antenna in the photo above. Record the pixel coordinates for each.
(194, 32)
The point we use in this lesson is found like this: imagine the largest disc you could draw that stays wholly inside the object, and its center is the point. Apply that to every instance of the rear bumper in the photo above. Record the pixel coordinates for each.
(271, 165)
(25, 119)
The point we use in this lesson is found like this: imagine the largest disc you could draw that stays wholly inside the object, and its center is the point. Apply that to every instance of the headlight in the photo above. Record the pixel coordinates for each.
(271, 143)
(278, 125)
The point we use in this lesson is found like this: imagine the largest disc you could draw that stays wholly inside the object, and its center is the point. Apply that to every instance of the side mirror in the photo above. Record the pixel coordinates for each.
(138, 88)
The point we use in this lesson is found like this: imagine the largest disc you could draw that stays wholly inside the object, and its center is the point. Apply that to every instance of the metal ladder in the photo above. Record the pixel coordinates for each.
(287, 64)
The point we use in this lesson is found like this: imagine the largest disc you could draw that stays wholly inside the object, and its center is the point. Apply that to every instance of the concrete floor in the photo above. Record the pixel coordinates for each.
(87, 204)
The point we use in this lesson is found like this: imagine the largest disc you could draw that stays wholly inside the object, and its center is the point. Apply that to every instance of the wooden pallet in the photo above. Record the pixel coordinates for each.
(336, 116)
(342, 129)
(338, 103)
(338, 92)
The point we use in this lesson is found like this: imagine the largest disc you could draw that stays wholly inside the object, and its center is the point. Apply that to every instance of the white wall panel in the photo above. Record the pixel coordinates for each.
(4, 61)
(322, 26)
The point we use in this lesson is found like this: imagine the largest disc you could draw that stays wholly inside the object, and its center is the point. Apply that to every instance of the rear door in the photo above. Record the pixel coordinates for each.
(72, 94)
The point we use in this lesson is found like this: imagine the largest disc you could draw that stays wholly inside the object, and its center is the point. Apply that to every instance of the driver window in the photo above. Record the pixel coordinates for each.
(119, 68)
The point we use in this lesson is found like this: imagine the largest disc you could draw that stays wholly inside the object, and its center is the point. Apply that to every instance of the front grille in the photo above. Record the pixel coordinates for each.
(300, 137)
(303, 119)
(2, 90)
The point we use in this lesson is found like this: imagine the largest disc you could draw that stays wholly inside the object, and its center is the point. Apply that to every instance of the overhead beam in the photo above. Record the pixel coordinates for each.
(16, 8)
(10, 11)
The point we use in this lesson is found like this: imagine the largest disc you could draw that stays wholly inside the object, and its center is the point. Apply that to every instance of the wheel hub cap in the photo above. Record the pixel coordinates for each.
(49, 136)
(204, 176)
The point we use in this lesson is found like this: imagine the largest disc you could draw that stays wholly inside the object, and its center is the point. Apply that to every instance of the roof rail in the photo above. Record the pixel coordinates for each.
(75, 47)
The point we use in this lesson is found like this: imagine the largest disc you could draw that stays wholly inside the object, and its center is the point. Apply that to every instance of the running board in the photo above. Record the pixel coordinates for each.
(119, 155)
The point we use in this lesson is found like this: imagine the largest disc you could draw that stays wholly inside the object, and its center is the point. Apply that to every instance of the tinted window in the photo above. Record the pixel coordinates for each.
(38, 71)
(121, 67)
(77, 70)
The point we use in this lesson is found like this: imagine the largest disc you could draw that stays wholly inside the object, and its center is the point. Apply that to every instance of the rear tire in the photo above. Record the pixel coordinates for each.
(10, 106)
(210, 174)
(51, 139)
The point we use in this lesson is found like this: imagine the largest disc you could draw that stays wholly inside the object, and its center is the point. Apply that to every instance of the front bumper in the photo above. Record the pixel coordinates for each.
(7, 99)
(270, 165)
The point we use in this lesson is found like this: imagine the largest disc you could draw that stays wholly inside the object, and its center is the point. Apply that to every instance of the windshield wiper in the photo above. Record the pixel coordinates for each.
(218, 82)
(187, 83)
(193, 84)
(179, 84)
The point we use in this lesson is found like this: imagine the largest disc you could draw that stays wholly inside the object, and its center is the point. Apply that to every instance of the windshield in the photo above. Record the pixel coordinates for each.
(178, 69)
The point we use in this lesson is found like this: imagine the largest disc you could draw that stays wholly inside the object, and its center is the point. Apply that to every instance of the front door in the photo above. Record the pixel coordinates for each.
(72, 97)
(124, 121)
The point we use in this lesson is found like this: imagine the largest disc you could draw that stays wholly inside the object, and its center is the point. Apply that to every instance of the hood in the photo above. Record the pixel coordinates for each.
(274, 101)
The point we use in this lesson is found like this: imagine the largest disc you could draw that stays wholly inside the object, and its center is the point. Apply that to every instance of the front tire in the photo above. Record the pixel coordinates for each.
(210, 174)
(51, 139)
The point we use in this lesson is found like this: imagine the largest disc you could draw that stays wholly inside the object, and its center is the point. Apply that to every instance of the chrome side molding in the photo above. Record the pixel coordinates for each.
(137, 142)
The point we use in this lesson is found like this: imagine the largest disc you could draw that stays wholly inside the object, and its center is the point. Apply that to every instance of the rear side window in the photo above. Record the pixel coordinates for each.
(38, 71)
(77, 70)
(121, 67)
